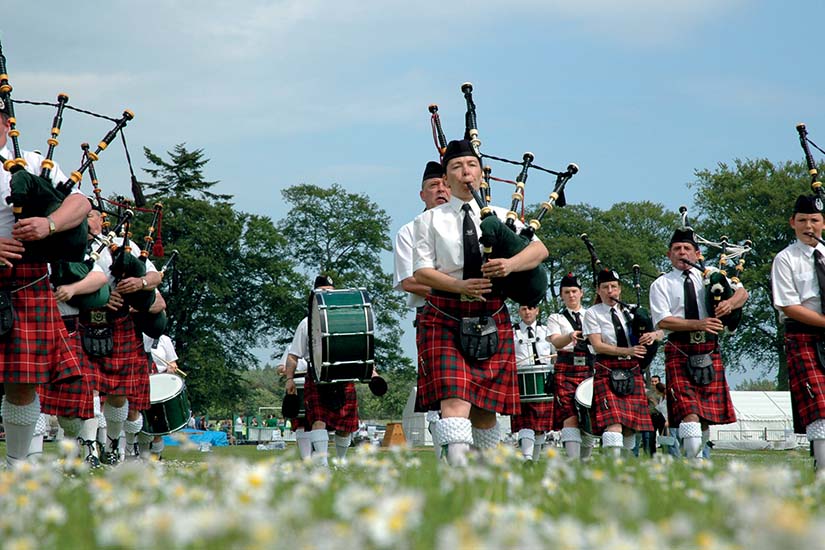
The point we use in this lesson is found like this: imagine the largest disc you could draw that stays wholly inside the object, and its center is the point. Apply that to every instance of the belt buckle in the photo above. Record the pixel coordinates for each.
(697, 337)
(98, 318)
(579, 361)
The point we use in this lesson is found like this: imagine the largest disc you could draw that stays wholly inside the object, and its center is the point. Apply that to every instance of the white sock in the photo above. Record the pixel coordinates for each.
(304, 443)
(540, 439)
(115, 417)
(35, 447)
(819, 455)
(691, 434)
(19, 422)
(572, 440)
(144, 442)
(457, 433)
(342, 444)
(320, 446)
(527, 442)
(629, 443)
(613, 443)
(438, 446)
(486, 438)
(88, 430)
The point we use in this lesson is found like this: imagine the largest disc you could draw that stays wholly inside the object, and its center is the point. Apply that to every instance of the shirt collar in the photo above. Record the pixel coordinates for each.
(456, 204)
(808, 250)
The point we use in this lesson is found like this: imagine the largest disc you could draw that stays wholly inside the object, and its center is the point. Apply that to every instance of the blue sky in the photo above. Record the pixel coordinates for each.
(638, 93)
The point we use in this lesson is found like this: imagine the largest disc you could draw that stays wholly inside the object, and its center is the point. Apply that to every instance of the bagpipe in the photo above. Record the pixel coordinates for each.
(641, 321)
(715, 279)
(501, 239)
(34, 195)
(816, 185)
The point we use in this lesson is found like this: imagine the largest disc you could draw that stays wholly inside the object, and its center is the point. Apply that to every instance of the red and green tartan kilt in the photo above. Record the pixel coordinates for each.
(37, 350)
(73, 399)
(631, 411)
(344, 419)
(443, 372)
(126, 370)
(567, 378)
(536, 416)
(712, 403)
(806, 378)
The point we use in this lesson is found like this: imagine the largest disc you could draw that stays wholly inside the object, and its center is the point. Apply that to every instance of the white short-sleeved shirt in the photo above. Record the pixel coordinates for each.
(438, 240)
(300, 341)
(403, 260)
(64, 308)
(162, 354)
(667, 295)
(301, 369)
(33, 161)
(793, 276)
(557, 323)
(105, 261)
(598, 320)
(524, 344)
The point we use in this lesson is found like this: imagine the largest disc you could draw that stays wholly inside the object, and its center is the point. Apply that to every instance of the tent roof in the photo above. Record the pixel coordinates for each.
(762, 405)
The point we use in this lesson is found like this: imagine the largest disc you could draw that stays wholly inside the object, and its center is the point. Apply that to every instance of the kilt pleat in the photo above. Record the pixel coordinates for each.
(73, 399)
(536, 416)
(567, 378)
(344, 419)
(443, 372)
(37, 349)
(712, 403)
(631, 411)
(806, 378)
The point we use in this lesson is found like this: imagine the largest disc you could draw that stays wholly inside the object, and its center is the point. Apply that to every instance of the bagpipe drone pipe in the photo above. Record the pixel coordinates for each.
(715, 280)
(34, 195)
(501, 239)
(816, 185)
(641, 321)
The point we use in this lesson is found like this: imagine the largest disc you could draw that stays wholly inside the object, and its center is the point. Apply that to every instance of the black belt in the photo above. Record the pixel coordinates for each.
(570, 358)
(795, 327)
(601, 357)
(691, 337)
(445, 294)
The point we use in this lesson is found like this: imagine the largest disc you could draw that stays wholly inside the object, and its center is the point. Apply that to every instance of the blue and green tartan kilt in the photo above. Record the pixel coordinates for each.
(631, 411)
(73, 399)
(567, 378)
(536, 416)
(444, 373)
(126, 370)
(37, 349)
(712, 403)
(807, 379)
(343, 419)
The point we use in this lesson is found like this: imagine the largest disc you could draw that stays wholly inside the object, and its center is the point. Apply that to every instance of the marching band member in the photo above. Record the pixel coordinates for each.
(162, 358)
(35, 348)
(697, 391)
(123, 375)
(300, 426)
(469, 387)
(321, 413)
(532, 348)
(434, 192)
(798, 276)
(619, 405)
(574, 364)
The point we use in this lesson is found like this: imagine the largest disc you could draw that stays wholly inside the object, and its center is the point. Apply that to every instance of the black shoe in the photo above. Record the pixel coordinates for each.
(91, 447)
(112, 456)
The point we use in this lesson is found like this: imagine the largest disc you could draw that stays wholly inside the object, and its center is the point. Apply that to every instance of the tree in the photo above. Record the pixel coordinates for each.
(232, 287)
(753, 199)
(342, 234)
(762, 384)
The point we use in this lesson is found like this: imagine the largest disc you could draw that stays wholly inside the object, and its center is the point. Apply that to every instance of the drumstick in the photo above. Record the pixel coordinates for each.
(177, 370)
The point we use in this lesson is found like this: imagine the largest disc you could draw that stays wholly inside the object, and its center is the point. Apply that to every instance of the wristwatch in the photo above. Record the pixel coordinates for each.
(145, 284)
(52, 226)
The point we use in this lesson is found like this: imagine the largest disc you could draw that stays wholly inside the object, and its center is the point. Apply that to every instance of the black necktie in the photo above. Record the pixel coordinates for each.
(621, 335)
(691, 307)
(535, 349)
(578, 319)
(472, 250)
(819, 265)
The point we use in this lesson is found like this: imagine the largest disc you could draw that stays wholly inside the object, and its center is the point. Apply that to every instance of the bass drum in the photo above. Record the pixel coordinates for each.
(584, 402)
(169, 410)
(341, 336)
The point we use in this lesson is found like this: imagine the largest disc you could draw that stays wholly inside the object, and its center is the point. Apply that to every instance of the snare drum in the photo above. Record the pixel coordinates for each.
(169, 410)
(584, 401)
(341, 342)
(535, 383)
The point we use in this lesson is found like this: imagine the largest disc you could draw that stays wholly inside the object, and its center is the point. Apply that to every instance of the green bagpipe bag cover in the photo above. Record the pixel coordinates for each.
(66, 273)
(524, 287)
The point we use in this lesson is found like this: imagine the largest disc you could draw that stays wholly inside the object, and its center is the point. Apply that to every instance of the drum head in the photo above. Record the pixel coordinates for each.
(164, 386)
(584, 393)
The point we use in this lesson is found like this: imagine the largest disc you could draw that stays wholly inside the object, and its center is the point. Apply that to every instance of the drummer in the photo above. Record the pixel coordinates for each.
(299, 424)
(619, 404)
(337, 409)
(532, 348)
(573, 366)
(162, 358)
(447, 258)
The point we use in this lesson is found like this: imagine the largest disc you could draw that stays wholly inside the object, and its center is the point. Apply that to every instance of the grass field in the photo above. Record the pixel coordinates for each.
(239, 497)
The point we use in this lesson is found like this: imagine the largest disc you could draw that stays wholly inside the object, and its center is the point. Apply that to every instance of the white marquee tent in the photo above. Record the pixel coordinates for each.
(764, 421)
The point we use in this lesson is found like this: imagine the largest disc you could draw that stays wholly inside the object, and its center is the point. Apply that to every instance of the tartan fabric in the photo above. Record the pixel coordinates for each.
(567, 378)
(37, 349)
(73, 399)
(344, 419)
(534, 416)
(126, 371)
(712, 403)
(491, 385)
(807, 380)
(631, 411)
